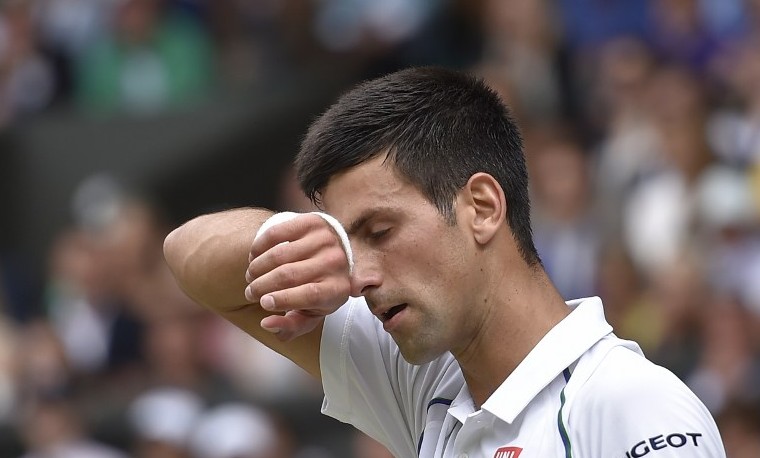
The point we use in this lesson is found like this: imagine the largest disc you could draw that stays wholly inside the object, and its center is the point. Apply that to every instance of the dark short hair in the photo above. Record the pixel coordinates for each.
(438, 126)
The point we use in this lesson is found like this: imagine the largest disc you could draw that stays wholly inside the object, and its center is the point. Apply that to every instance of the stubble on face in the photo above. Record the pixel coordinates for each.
(423, 262)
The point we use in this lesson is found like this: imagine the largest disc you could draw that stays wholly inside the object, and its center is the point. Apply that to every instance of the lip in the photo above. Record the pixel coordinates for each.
(389, 324)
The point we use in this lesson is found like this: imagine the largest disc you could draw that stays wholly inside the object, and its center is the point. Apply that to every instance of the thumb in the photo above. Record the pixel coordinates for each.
(294, 323)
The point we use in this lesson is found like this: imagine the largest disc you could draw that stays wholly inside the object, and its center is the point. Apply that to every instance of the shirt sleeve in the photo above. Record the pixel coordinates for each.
(632, 408)
(368, 384)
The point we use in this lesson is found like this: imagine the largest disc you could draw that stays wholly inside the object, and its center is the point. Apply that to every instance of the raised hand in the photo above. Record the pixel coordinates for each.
(299, 270)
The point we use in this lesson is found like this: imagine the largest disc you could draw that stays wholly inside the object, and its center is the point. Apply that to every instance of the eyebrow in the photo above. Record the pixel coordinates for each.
(359, 222)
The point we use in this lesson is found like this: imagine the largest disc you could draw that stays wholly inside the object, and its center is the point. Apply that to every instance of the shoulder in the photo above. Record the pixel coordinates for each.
(624, 384)
(629, 404)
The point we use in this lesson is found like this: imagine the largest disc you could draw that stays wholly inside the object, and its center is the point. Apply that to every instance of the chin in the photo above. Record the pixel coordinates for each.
(418, 356)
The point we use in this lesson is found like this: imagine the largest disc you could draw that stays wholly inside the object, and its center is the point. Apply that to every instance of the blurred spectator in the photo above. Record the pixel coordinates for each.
(155, 58)
(66, 29)
(564, 228)
(627, 145)
(621, 287)
(724, 18)
(69, 26)
(51, 428)
(248, 45)
(586, 24)
(73, 290)
(728, 368)
(43, 365)
(8, 355)
(9, 366)
(659, 211)
(734, 130)
(49, 416)
(27, 82)
(259, 42)
(163, 420)
(98, 270)
(238, 430)
(668, 319)
(520, 55)
(739, 424)
(343, 25)
(680, 32)
(176, 355)
(727, 231)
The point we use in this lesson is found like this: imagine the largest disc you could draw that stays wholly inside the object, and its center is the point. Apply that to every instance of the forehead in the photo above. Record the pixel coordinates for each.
(375, 182)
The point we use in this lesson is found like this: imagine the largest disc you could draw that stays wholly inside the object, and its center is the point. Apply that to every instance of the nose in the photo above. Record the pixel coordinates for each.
(366, 274)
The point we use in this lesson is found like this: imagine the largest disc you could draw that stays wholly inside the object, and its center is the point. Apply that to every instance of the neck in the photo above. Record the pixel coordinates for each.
(519, 307)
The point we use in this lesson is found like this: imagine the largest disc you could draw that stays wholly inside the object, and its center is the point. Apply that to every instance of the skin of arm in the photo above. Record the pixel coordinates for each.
(217, 264)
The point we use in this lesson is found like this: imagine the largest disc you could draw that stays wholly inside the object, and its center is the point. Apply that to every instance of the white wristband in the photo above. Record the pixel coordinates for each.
(278, 218)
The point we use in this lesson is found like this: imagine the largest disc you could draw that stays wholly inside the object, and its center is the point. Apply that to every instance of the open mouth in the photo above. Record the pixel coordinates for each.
(392, 312)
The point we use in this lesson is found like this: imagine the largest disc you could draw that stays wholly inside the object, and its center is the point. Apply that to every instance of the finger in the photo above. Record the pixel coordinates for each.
(322, 297)
(286, 276)
(301, 249)
(286, 231)
(278, 255)
(328, 266)
(291, 325)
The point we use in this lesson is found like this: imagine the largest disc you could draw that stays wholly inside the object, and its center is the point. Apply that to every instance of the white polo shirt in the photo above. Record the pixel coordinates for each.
(581, 392)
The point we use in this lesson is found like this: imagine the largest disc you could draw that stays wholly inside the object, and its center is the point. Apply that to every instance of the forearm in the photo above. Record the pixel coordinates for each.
(209, 256)
(304, 279)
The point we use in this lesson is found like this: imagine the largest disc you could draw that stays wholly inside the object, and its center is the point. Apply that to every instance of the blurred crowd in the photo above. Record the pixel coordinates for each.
(641, 121)
(146, 56)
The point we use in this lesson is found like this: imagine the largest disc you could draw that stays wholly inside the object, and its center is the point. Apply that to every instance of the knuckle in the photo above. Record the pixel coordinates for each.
(333, 295)
(279, 254)
(335, 257)
(275, 232)
(321, 239)
(327, 236)
(314, 293)
(311, 219)
(287, 275)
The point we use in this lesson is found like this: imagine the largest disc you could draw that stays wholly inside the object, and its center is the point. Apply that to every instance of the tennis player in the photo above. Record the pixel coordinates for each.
(418, 298)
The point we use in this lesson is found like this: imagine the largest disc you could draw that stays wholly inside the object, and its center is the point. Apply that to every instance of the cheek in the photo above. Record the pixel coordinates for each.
(428, 258)
(448, 265)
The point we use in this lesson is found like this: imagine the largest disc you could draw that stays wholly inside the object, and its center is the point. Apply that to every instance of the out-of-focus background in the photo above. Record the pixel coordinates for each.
(120, 119)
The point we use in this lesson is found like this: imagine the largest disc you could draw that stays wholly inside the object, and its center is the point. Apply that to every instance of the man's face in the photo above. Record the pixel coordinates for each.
(416, 272)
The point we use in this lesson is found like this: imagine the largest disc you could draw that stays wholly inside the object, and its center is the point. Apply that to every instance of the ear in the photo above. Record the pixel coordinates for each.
(487, 206)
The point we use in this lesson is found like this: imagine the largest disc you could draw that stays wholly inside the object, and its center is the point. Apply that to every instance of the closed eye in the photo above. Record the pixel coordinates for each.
(378, 235)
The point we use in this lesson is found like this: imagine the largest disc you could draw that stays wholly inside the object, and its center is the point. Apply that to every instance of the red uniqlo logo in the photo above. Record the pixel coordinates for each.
(508, 452)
